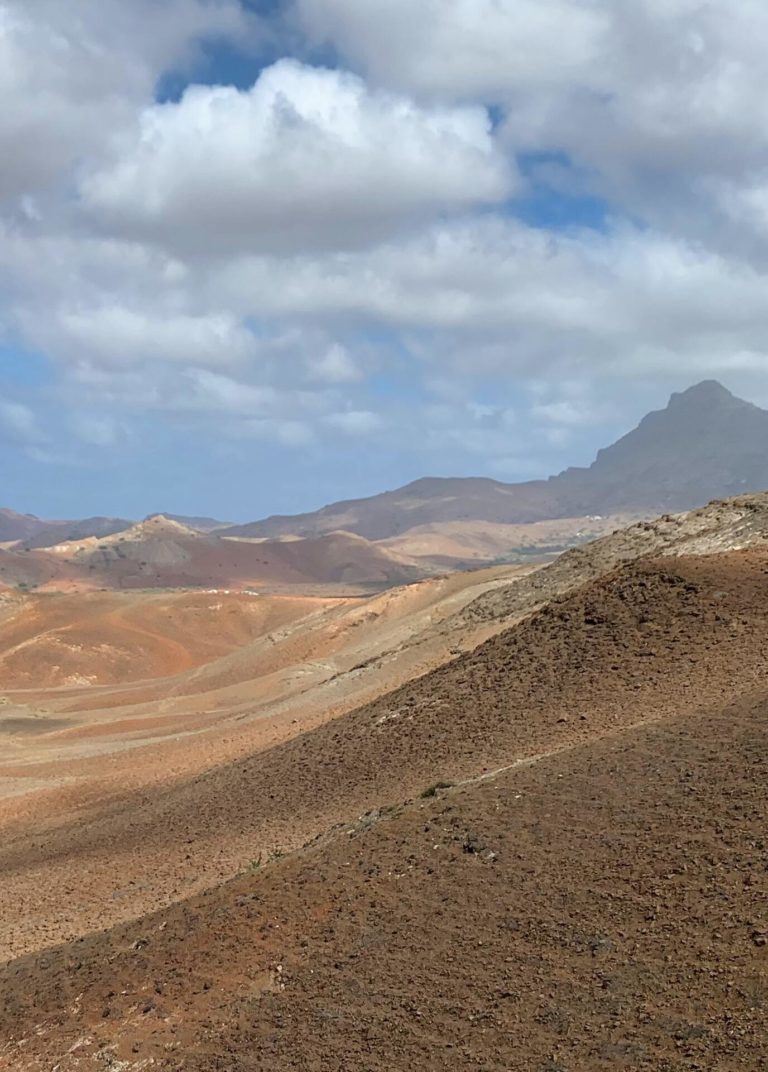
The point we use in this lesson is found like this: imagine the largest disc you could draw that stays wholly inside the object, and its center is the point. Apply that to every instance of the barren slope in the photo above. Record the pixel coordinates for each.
(162, 553)
(657, 640)
(732, 524)
(460, 544)
(601, 906)
(109, 638)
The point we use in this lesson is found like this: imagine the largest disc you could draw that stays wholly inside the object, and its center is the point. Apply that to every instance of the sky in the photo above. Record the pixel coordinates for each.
(256, 257)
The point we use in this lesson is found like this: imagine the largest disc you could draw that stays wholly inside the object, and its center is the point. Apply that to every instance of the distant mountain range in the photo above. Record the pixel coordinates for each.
(706, 444)
(36, 532)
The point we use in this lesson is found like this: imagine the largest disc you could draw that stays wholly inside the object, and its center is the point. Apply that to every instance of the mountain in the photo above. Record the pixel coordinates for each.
(705, 444)
(15, 526)
(50, 533)
(34, 531)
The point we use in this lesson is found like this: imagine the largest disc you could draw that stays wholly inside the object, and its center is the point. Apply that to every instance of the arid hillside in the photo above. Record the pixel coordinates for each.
(732, 524)
(589, 893)
(108, 638)
(161, 553)
(37, 532)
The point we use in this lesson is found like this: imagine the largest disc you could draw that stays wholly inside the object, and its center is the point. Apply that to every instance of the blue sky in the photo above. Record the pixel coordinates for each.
(266, 256)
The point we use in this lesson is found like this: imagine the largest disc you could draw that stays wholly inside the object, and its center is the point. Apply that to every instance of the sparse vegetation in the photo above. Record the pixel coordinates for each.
(432, 790)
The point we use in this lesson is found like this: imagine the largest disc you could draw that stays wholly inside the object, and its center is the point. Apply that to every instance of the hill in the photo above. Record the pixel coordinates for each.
(328, 658)
(590, 893)
(34, 532)
(705, 444)
(162, 553)
(15, 526)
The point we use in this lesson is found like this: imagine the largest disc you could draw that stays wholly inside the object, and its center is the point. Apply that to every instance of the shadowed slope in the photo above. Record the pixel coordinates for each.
(654, 640)
(600, 908)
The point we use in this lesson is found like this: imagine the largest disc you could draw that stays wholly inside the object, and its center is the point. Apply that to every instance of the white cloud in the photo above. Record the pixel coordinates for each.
(478, 49)
(119, 336)
(213, 391)
(243, 261)
(336, 365)
(660, 103)
(492, 294)
(355, 422)
(69, 72)
(306, 158)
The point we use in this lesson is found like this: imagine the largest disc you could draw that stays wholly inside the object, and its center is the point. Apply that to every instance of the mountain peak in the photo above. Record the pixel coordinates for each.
(707, 393)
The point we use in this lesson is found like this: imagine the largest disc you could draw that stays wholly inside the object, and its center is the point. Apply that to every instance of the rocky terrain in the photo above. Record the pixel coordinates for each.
(578, 854)
(507, 819)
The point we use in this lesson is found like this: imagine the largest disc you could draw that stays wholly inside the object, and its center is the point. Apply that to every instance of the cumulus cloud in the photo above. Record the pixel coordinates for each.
(69, 72)
(306, 158)
(492, 294)
(336, 365)
(478, 49)
(332, 253)
(659, 103)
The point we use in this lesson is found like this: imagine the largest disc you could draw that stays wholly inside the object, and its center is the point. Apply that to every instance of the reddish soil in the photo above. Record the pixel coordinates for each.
(102, 638)
(602, 908)
(160, 553)
(661, 639)
(592, 896)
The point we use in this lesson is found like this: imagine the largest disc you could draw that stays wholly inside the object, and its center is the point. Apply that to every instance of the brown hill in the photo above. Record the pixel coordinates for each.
(15, 526)
(33, 531)
(32, 569)
(706, 444)
(652, 640)
(161, 553)
(720, 526)
(595, 898)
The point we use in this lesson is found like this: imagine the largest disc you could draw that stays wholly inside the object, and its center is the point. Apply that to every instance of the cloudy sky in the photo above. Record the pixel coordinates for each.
(256, 256)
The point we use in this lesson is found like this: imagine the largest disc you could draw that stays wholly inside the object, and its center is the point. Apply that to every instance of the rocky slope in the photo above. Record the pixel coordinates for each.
(733, 524)
(590, 896)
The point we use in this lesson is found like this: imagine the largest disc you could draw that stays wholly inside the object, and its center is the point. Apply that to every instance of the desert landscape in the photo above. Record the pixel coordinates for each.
(510, 817)
(383, 536)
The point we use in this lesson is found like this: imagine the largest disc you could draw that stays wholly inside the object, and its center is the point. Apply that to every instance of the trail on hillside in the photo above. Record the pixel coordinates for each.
(658, 639)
